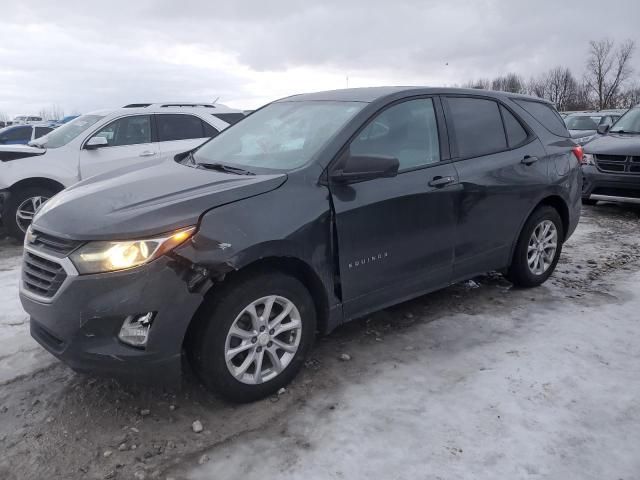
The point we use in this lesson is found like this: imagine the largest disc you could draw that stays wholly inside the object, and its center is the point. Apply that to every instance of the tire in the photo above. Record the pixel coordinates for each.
(211, 338)
(520, 273)
(17, 200)
(588, 201)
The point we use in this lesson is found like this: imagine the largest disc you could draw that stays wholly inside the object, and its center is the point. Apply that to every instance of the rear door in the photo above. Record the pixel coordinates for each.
(396, 235)
(500, 167)
(129, 141)
(180, 132)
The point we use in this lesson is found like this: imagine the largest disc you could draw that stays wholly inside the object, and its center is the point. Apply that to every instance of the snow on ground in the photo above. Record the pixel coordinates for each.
(19, 354)
(550, 392)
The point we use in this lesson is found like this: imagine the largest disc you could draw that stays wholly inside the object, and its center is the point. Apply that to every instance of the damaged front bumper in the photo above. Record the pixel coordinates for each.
(81, 322)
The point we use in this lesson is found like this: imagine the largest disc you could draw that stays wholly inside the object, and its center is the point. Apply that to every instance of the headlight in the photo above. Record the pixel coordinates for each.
(588, 159)
(99, 257)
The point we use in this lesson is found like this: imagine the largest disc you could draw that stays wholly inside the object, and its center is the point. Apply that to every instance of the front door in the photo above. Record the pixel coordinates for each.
(396, 235)
(129, 141)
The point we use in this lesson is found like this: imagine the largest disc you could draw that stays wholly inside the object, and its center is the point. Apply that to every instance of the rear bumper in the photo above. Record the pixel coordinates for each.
(596, 182)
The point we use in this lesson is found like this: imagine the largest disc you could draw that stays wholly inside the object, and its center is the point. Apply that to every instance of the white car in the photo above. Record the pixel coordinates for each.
(26, 120)
(96, 143)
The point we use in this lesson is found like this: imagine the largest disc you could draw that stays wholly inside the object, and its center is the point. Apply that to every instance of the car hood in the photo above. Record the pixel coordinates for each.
(614, 144)
(16, 152)
(145, 200)
(582, 133)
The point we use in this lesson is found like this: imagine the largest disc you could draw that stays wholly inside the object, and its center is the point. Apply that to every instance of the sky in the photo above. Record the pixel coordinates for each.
(87, 55)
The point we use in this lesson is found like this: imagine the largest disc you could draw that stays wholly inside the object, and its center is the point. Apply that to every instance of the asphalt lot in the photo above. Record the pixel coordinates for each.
(479, 380)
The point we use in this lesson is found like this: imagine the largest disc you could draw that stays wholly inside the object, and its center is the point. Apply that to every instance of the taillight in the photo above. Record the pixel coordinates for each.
(579, 153)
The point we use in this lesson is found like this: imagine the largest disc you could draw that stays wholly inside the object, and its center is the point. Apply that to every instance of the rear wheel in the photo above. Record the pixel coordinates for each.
(538, 248)
(21, 208)
(253, 336)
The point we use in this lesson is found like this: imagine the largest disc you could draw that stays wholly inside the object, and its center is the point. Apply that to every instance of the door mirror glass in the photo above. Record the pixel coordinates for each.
(603, 128)
(358, 168)
(96, 142)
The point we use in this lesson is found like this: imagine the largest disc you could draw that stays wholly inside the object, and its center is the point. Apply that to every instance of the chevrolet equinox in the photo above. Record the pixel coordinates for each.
(314, 210)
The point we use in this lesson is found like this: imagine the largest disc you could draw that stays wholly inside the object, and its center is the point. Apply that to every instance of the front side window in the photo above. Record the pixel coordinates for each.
(132, 130)
(407, 131)
(42, 131)
(179, 127)
(281, 136)
(67, 132)
(478, 126)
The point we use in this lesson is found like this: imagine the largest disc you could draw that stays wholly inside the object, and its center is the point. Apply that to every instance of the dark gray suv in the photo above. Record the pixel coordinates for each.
(314, 210)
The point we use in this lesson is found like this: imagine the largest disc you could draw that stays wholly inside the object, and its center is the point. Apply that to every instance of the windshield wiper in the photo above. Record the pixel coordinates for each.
(623, 131)
(221, 167)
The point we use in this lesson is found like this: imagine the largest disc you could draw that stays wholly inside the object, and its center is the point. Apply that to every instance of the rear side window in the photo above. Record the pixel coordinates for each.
(546, 115)
(516, 134)
(18, 134)
(179, 127)
(230, 118)
(478, 126)
(209, 131)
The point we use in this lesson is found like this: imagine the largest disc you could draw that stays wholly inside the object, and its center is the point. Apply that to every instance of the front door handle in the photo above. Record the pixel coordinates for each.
(529, 160)
(440, 182)
(147, 153)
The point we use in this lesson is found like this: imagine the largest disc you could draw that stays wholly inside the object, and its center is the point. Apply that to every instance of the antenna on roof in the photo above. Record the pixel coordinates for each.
(215, 101)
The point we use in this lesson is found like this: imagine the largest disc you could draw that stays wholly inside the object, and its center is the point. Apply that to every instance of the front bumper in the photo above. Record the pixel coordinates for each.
(80, 324)
(596, 182)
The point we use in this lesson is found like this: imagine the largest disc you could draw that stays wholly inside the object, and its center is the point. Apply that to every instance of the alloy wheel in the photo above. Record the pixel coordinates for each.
(263, 340)
(542, 247)
(26, 211)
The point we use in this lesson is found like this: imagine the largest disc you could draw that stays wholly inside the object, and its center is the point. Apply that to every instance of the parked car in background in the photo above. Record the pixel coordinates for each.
(97, 143)
(312, 211)
(583, 126)
(612, 161)
(22, 134)
(26, 119)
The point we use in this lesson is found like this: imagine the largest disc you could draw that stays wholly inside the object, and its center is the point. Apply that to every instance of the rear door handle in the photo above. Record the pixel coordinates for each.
(529, 160)
(440, 182)
(147, 153)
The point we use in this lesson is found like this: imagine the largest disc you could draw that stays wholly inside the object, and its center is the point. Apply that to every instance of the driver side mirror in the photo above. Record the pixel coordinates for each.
(602, 129)
(358, 168)
(96, 142)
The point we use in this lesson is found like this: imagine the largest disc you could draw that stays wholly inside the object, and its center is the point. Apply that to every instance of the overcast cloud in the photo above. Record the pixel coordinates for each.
(84, 55)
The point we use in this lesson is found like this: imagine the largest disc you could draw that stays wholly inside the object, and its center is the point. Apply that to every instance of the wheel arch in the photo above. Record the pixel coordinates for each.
(36, 182)
(289, 265)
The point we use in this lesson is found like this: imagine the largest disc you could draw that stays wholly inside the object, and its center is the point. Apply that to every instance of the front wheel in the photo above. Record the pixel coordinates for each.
(538, 248)
(21, 208)
(252, 337)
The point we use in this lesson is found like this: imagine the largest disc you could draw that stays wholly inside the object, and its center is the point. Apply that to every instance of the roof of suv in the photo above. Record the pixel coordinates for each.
(371, 94)
(168, 107)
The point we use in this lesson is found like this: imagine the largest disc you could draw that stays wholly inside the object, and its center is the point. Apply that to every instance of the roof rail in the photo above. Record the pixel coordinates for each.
(137, 105)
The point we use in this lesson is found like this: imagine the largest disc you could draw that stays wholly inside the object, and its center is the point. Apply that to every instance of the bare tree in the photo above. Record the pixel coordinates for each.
(608, 69)
(4, 117)
(511, 83)
(54, 112)
(480, 84)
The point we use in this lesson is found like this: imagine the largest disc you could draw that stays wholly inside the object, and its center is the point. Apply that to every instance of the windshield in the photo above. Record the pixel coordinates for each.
(281, 136)
(67, 132)
(629, 122)
(582, 122)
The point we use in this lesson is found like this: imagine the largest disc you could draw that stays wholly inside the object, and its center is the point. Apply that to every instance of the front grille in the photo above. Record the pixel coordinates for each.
(618, 164)
(41, 276)
(50, 243)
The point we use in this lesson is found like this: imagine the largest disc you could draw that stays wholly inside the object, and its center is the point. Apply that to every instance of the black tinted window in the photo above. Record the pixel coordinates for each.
(478, 126)
(179, 127)
(209, 131)
(18, 134)
(546, 115)
(230, 118)
(516, 134)
(42, 131)
(407, 131)
(127, 131)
